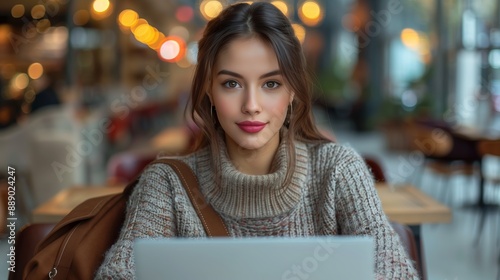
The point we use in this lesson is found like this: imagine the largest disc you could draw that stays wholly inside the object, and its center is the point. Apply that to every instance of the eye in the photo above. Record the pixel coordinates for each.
(271, 84)
(231, 84)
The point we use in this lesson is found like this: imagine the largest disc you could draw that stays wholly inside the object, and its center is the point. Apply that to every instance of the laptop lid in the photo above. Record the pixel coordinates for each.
(270, 258)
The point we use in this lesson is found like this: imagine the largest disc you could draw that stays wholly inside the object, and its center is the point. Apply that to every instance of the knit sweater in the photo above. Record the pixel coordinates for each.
(331, 193)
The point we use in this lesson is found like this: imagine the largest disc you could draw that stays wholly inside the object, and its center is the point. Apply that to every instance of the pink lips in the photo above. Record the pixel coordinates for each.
(251, 127)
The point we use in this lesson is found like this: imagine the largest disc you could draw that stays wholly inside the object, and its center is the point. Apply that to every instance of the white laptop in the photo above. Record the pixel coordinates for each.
(270, 258)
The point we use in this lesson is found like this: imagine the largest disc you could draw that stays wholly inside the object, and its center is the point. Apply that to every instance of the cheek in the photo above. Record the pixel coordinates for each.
(278, 108)
(224, 108)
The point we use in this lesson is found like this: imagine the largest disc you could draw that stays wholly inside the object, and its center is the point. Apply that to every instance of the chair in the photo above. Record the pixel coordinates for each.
(124, 167)
(26, 241)
(443, 154)
(408, 241)
(376, 169)
(488, 148)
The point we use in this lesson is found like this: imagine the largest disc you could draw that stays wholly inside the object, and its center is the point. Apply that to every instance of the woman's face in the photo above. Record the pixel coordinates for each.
(249, 95)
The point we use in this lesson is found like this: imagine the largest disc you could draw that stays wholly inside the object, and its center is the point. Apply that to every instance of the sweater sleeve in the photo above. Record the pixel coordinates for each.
(149, 214)
(359, 212)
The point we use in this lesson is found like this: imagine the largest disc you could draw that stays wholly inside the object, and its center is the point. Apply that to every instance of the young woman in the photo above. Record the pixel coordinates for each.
(262, 163)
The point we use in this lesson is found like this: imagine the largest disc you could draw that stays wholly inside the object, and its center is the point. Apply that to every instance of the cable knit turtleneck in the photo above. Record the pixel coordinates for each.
(331, 193)
(239, 195)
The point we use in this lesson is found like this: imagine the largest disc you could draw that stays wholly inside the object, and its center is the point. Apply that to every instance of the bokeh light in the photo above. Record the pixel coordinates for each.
(144, 33)
(101, 9)
(38, 11)
(128, 18)
(172, 49)
(17, 11)
(20, 81)
(81, 17)
(300, 32)
(282, 6)
(310, 13)
(43, 25)
(210, 8)
(100, 6)
(35, 70)
(410, 38)
(311, 10)
(138, 23)
(184, 14)
(29, 96)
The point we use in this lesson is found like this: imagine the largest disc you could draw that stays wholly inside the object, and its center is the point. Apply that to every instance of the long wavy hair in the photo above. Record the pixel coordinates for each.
(266, 22)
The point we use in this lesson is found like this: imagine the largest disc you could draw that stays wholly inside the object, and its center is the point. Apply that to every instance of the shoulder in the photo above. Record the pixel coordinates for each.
(337, 163)
(161, 167)
(160, 174)
(332, 154)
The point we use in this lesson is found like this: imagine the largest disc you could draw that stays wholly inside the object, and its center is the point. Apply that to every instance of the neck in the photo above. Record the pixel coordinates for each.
(253, 162)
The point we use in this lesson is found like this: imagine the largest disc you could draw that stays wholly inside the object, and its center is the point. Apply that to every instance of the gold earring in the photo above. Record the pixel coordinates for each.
(287, 123)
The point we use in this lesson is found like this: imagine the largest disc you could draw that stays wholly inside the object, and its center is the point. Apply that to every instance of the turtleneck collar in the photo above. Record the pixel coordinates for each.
(240, 195)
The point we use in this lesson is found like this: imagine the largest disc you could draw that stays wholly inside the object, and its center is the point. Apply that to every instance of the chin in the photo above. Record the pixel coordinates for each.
(249, 146)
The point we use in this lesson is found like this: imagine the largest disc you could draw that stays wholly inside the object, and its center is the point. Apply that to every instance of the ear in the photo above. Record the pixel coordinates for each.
(292, 95)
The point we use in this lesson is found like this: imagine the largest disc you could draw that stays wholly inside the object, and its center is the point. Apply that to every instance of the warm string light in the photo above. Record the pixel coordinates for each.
(311, 13)
(101, 9)
(210, 8)
(17, 11)
(417, 42)
(282, 6)
(300, 32)
(35, 70)
(170, 48)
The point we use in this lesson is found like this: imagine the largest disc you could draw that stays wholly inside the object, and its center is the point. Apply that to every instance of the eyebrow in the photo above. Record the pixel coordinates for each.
(230, 73)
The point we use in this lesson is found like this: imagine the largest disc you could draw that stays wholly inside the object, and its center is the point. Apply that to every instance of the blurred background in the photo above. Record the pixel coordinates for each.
(91, 90)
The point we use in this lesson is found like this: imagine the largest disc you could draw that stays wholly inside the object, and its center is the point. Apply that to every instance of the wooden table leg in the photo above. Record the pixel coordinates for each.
(416, 230)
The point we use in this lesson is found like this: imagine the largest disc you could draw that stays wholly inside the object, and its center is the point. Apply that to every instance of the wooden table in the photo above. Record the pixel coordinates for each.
(64, 201)
(404, 204)
(410, 206)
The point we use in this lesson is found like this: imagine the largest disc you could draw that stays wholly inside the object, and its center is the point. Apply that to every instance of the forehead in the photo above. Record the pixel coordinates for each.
(247, 55)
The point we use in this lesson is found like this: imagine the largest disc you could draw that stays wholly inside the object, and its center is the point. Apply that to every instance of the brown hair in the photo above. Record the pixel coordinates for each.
(267, 23)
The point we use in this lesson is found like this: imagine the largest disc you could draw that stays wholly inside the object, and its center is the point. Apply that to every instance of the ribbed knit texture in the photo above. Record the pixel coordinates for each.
(331, 193)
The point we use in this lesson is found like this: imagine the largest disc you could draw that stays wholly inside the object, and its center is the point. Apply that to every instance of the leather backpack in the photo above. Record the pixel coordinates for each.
(75, 248)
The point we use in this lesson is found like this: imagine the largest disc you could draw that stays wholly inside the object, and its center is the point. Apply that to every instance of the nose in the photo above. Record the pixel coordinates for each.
(251, 103)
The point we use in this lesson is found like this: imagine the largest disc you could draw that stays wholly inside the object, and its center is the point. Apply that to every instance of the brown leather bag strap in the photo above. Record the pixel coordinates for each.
(211, 220)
